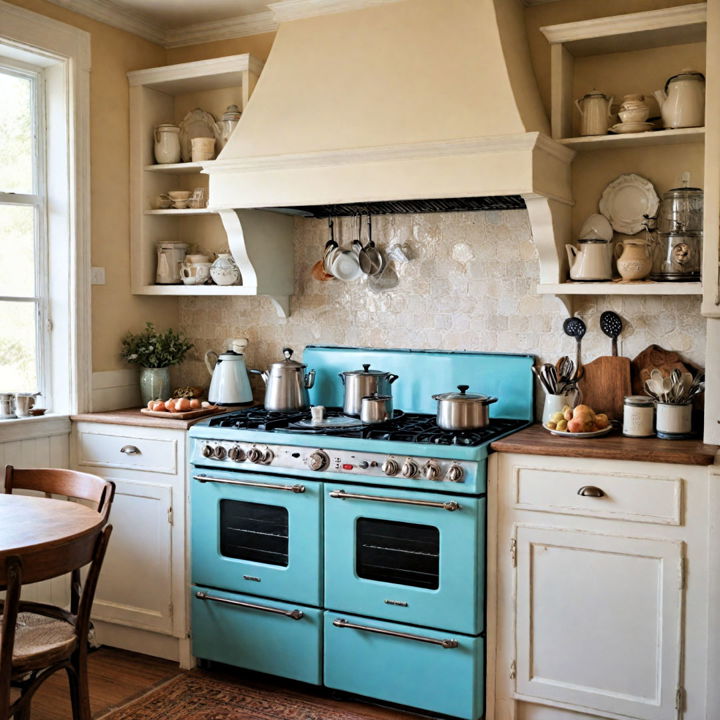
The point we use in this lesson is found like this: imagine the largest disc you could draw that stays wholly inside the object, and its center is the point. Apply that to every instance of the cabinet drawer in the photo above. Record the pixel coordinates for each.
(598, 494)
(99, 449)
(405, 664)
(264, 635)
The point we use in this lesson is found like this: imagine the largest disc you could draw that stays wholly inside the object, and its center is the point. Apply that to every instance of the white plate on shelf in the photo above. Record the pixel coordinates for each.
(595, 433)
(632, 127)
(197, 123)
(625, 202)
(596, 227)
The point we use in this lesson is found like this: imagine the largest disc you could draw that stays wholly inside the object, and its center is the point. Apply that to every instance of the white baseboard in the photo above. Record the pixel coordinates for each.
(114, 389)
(145, 642)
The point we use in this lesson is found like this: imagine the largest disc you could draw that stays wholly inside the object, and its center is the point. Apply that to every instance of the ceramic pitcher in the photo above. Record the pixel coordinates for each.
(634, 258)
(167, 144)
(594, 111)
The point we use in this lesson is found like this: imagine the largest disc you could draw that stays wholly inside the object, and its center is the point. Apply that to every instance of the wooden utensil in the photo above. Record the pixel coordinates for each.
(654, 356)
(605, 385)
(611, 325)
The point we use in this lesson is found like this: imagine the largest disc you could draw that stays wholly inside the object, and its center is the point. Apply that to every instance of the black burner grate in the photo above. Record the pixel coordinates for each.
(409, 427)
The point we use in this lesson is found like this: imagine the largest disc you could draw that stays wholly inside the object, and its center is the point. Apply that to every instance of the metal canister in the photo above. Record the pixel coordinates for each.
(638, 416)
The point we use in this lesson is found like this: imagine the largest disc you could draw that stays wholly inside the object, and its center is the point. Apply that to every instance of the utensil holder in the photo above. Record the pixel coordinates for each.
(555, 403)
(673, 421)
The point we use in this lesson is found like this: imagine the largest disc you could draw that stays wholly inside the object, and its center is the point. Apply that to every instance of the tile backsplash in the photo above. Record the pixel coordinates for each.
(470, 284)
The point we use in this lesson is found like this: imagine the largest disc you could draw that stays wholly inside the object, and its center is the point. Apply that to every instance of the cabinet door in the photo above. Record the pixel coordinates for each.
(598, 621)
(135, 586)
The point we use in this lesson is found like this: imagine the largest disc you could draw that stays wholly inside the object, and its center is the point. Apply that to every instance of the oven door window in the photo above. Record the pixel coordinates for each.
(253, 531)
(398, 552)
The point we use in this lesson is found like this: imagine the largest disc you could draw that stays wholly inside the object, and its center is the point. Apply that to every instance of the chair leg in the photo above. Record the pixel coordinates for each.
(23, 713)
(79, 691)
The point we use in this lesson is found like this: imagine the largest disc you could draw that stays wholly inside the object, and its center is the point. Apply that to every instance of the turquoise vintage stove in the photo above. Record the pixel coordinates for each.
(354, 557)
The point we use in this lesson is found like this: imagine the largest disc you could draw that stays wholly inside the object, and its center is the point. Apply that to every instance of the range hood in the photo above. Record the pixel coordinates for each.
(400, 100)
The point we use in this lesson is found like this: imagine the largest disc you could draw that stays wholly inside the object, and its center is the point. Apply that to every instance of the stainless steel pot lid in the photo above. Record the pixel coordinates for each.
(288, 362)
(365, 371)
(464, 396)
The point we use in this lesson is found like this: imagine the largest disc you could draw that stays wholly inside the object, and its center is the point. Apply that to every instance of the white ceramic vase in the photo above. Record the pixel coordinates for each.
(224, 271)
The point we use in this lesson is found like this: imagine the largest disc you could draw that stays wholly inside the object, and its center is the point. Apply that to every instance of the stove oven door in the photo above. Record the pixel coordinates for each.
(410, 557)
(257, 534)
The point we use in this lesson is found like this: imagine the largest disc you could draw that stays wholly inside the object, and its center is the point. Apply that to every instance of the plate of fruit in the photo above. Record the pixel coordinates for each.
(578, 422)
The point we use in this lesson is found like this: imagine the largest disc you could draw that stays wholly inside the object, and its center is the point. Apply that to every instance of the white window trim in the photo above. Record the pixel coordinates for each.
(67, 52)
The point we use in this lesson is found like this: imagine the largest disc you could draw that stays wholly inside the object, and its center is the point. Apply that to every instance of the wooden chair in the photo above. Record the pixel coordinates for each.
(37, 640)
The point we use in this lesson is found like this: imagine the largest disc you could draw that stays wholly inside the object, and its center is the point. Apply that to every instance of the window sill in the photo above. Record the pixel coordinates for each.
(33, 427)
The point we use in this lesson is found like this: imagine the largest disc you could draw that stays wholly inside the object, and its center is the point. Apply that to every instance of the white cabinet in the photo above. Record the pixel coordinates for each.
(140, 603)
(597, 602)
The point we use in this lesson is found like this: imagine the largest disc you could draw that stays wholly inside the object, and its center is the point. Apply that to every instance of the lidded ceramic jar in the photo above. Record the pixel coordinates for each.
(167, 143)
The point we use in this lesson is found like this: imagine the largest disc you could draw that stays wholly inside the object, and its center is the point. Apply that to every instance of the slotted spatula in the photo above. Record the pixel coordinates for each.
(575, 327)
(611, 324)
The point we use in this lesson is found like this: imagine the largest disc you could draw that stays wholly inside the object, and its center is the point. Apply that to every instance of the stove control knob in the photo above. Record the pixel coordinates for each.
(267, 457)
(431, 470)
(236, 454)
(219, 452)
(455, 473)
(317, 460)
(409, 469)
(390, 467)
(207, 451)
(254, 455)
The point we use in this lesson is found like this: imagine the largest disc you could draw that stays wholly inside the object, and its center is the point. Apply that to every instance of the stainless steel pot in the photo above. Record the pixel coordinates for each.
(286, 384)
(376, 409)
(463, 410)
(363, 383)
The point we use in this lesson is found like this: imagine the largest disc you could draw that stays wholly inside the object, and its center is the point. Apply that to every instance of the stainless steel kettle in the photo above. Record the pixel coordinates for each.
(230, 384)
(286, 384)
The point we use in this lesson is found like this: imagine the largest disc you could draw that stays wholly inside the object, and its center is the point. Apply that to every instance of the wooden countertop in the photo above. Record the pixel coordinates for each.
(133, 416)
(536, 440)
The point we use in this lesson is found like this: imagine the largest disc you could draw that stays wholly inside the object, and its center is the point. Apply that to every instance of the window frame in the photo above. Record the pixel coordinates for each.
(63, 52)
(37, 199)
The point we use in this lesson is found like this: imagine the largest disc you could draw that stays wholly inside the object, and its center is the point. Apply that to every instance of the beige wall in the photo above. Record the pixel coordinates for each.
(114, 309)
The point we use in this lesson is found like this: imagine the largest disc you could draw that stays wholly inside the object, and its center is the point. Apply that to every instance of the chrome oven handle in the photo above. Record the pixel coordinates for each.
(342, 495)
(447, 644)
(292, 614)
(271, 486)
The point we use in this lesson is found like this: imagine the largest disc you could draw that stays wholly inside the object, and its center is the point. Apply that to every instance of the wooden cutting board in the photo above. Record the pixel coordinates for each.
(186, 414)
(605, 384)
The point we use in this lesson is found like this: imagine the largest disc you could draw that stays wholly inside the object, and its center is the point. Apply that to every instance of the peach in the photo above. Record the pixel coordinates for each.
(575, 426)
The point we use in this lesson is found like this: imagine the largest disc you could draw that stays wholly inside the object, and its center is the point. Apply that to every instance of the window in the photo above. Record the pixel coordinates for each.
(23, 235)
(45, 340)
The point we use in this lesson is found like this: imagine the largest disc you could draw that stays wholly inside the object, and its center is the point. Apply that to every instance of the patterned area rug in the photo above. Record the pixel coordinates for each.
(197, 696)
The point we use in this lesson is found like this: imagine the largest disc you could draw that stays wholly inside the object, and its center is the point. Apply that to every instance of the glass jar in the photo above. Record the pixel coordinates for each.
(638, 416)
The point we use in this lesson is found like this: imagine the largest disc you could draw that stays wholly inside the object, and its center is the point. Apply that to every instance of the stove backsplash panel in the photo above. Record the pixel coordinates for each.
(470, 285)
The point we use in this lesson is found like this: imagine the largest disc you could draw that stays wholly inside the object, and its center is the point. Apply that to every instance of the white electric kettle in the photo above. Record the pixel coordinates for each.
(229, 384)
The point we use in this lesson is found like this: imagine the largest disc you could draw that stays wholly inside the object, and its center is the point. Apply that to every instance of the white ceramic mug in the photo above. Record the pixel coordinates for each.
(195, 273)
(555, 403)
(24, 403)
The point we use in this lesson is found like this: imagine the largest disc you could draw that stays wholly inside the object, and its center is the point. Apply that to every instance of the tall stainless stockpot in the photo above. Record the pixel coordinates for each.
(364, 383)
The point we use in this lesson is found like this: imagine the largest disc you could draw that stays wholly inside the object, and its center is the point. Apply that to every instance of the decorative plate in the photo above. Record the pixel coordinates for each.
(632, 127)
(626, 200)
(595, 433)
(197, 123)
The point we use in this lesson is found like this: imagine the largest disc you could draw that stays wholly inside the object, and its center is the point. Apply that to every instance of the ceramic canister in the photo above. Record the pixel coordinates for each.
(638, 416)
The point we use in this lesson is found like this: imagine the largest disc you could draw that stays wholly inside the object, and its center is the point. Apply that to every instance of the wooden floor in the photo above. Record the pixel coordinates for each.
(117, 676)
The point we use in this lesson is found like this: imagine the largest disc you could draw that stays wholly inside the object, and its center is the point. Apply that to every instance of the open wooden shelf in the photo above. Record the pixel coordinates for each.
(640, 287)
(186, 211)
(196, 290)
(181, 168)
(678, 136)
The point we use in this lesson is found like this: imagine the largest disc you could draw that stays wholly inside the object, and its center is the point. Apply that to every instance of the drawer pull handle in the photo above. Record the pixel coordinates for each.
(591, 491)
(342, 495)
(130, 450)
(447, 644)
(292, 614)
(247, 483)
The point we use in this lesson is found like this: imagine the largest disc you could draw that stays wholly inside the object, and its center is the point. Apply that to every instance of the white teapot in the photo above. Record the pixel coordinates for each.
(682, 102)
(593, 261)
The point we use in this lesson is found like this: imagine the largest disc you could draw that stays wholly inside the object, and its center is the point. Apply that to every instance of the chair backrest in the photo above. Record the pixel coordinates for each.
(11, 579)
(69, 483)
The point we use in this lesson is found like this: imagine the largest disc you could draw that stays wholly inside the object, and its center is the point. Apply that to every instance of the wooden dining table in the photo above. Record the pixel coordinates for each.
(47, 535)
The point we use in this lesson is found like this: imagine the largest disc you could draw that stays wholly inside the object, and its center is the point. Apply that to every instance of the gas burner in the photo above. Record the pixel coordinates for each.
(256, 418)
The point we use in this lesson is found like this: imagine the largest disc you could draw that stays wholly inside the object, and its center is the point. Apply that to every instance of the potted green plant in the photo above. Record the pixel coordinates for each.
(154, 352)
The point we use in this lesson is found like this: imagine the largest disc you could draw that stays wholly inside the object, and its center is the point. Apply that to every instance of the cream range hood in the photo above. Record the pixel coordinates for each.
(382, 101)
(399, 100)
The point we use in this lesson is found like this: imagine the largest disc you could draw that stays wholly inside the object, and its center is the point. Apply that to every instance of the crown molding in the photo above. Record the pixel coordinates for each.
(287, 10)
(226, 29)
(107, 12)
